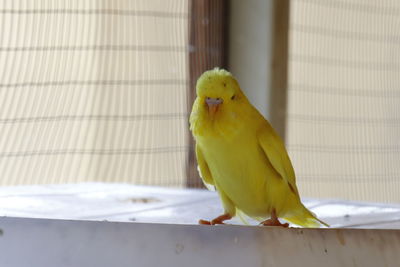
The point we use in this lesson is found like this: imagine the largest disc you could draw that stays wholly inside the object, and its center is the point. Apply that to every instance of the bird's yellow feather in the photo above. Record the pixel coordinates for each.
(242, 156)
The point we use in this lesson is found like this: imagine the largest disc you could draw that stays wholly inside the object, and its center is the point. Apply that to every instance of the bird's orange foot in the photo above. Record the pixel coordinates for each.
(274, 222)
(218, 220)
(204, 222)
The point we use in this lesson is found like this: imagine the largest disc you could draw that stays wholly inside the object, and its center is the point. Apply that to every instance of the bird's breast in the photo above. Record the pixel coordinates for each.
(239, 168)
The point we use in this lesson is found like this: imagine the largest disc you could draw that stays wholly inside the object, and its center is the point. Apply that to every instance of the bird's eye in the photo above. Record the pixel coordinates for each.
(233, 97)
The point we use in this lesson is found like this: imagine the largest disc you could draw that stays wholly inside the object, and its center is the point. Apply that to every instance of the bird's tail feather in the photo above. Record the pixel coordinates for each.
(305, 218)
(242, 216)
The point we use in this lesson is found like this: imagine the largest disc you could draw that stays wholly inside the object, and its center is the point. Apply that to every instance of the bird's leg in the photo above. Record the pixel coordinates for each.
(218, 220)
(273, 221)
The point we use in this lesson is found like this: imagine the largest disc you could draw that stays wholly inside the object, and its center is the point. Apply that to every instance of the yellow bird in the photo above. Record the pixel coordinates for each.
(240, 154)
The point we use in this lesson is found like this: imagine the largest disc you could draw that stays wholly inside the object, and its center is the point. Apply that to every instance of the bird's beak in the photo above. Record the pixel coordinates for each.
(213, 104)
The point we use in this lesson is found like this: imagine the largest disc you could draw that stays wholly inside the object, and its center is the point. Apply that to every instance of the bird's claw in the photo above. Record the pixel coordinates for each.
(274, 223)
(218, 220)
(204, 222)
(212, 222)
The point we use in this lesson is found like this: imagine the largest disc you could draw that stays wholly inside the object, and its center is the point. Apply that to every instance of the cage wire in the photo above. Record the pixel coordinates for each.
(93, 91)
(343, 115)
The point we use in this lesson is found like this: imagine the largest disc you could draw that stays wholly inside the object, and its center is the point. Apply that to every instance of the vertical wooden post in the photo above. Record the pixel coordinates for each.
(279, 65)
(207, 49)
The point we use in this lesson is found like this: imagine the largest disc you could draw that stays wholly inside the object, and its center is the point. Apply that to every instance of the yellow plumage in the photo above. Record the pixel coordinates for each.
(240, 154)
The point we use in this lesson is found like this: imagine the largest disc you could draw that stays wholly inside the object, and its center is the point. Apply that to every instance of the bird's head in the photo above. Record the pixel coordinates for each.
(218, 90)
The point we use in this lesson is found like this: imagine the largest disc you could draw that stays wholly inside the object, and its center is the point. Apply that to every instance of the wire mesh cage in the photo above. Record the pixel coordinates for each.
(93, 91)
(343, 112)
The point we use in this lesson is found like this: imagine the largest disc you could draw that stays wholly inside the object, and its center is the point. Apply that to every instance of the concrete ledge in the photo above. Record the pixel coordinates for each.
(49, 242)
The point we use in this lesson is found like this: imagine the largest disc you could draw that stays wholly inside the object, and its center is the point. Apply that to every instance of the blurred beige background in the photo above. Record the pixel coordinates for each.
(343, 121)
(93, 91)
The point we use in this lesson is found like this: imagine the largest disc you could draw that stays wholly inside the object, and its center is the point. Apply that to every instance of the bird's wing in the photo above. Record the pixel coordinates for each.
(204, 171)
(275, 150)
